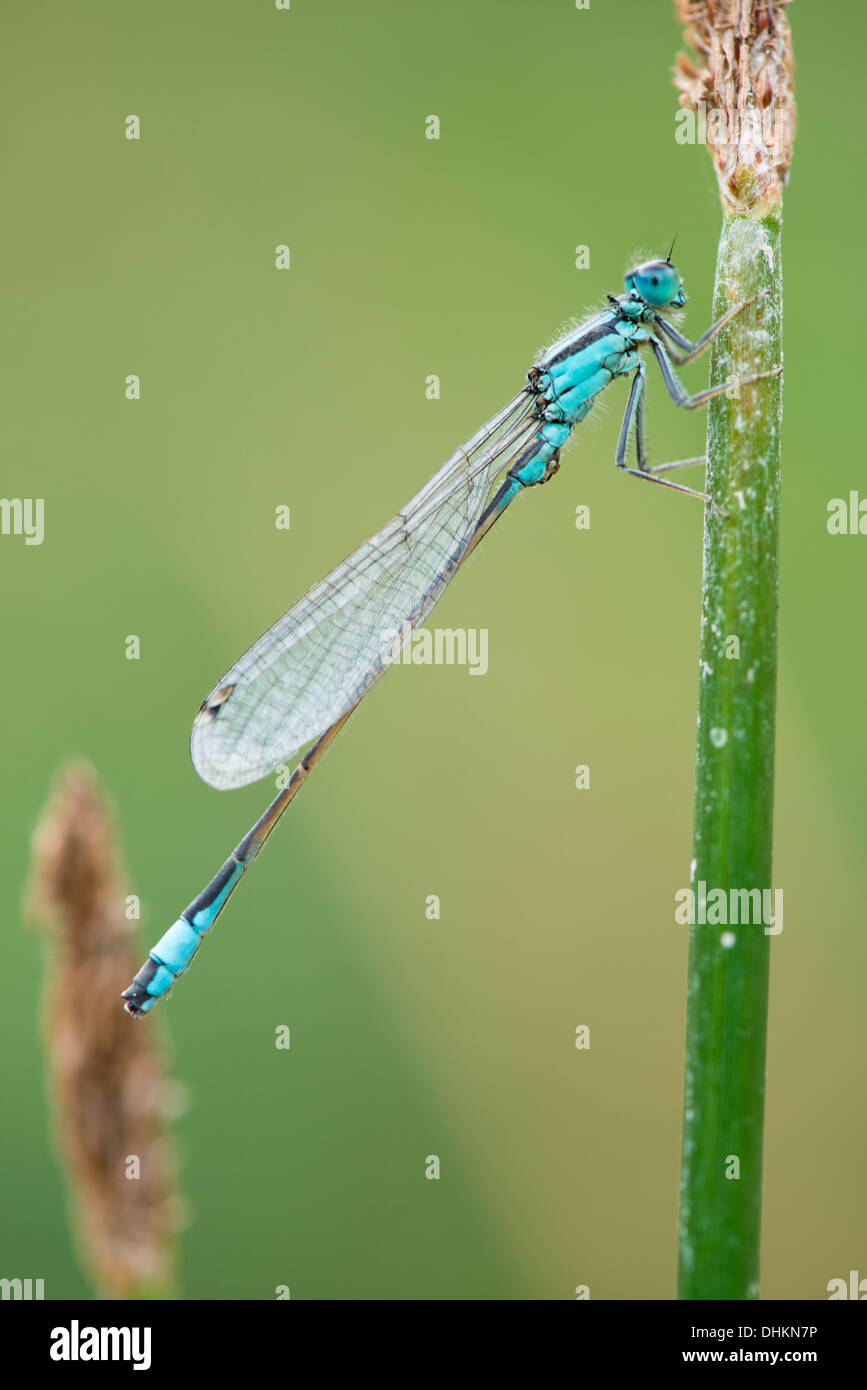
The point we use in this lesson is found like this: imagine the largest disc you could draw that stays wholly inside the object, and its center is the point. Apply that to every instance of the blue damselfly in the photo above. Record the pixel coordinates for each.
(300, 682)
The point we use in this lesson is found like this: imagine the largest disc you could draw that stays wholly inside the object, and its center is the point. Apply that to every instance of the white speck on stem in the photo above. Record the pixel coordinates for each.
(727, 940)
(719, 737)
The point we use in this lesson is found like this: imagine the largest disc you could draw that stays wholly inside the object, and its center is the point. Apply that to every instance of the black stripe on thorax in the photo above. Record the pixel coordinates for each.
(604, 329)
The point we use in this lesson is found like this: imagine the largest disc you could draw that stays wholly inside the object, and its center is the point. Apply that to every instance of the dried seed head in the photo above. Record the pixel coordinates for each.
(108, 1087)
(742, 81)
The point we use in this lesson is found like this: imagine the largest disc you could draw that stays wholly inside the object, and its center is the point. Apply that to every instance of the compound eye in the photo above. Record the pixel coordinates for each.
(658, 283)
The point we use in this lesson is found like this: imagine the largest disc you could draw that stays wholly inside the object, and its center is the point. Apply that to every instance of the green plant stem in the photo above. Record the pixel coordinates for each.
(728, 964)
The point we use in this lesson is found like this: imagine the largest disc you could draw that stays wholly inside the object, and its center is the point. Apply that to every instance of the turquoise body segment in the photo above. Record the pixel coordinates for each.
(174, 951)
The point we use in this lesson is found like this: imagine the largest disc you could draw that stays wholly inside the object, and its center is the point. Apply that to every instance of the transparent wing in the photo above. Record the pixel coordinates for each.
(317, 661)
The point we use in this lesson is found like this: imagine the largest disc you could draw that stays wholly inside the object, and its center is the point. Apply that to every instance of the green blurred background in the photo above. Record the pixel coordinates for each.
(307, 387)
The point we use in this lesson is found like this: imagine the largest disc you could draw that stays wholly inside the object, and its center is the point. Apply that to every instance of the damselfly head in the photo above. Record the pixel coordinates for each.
(658, 284)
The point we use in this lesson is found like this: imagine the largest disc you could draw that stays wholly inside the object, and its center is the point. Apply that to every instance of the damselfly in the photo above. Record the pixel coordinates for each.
(302, 680)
